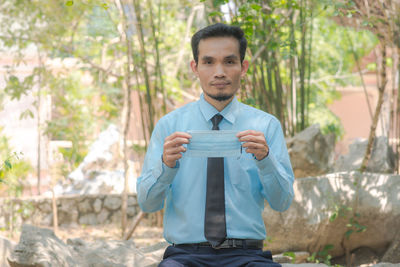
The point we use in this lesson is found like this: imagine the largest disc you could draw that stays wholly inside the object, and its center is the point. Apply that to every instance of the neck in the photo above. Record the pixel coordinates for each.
(219, 105)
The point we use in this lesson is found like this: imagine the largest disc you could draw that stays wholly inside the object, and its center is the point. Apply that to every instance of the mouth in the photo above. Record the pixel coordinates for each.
(220, 84)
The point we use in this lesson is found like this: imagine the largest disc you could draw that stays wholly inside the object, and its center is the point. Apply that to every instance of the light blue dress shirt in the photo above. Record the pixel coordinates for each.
(248, 182)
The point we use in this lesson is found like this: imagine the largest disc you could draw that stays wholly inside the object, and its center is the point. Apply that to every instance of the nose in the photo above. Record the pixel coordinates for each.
(219, 71)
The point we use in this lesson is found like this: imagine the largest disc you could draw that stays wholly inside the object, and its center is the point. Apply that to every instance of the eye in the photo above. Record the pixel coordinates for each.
(230, 61)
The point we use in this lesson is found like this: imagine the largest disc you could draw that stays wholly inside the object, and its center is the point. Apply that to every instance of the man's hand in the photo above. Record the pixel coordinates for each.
(173, 146)
(254, 143)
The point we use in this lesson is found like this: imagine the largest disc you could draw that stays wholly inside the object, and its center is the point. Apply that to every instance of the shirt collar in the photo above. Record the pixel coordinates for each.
(229, 112)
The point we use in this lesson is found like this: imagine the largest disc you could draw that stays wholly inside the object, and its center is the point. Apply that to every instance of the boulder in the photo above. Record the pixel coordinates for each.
(41, 247)
(296, 257)
(311, 153)
(6, 247)
(358, 257)
(393, 252)
(325, 208)
(101, 171)
(381, 161)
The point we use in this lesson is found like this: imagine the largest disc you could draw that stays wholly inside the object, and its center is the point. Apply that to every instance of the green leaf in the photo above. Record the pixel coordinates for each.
(26, 114)
(256, 7)
(215, 13)
(333, 217)
(69, 3)
(8, 164)
(105, 6)
(217, 3)
(328, 247)
(291, 254)
(348, 233)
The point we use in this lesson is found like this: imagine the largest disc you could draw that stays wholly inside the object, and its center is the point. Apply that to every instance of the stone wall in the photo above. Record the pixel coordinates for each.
(72, 210)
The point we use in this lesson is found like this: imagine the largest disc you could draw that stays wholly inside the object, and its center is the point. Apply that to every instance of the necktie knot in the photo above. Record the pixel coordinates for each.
(216, 120)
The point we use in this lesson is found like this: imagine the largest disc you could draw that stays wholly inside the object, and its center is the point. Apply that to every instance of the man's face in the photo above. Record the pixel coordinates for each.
(219, 68)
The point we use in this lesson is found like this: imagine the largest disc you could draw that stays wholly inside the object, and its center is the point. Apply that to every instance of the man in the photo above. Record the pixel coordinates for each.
(207, 228)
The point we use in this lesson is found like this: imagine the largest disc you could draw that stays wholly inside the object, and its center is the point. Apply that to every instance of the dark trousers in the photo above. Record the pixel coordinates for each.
(194, 256)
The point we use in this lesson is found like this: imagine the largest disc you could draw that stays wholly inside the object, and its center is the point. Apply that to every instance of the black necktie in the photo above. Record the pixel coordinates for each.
(214, 223)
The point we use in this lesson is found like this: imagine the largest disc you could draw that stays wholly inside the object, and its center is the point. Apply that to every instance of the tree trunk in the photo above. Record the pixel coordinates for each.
(381, 88)
(39, 144)
(143, 66)
(126, 117)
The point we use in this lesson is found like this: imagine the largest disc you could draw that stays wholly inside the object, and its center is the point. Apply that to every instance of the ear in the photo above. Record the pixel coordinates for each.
(193, 65)
(245, 67)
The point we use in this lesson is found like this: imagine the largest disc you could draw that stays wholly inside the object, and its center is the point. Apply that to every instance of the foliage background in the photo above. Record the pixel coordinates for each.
(94, 56)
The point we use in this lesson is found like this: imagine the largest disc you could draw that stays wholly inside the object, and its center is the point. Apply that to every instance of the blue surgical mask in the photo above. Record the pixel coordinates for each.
(209, 143)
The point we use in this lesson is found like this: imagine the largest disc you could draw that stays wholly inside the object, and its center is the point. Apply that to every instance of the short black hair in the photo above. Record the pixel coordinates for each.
(219, 30)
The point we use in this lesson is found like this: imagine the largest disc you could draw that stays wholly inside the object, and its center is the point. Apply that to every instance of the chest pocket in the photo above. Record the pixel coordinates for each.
(243, 173)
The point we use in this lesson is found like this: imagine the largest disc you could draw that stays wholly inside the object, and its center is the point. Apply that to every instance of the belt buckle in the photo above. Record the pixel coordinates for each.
(216, 247)
(219, 246)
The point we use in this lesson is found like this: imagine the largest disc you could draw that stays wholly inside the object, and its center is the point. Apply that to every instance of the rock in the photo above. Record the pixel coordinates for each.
(132, 201)
(382, 264)
(40, 247)
(131, 211)
(45, 206)
(358, 257)
(393, 253)
(102, 217)
(88, 219)
(112, 203)
(101, 171)
(311, 153)
(6, 247)
(381, 161)
(299, 257)
(280, 258)
(97, 205)
(108, 254)
(85, 206)
(306, 225)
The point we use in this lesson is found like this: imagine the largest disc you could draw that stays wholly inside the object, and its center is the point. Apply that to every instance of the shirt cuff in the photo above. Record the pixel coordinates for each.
(267, 164)
(163, 173)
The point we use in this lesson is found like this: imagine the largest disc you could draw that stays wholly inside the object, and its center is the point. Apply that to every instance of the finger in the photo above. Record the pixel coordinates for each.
(173, 157)
(178, 134)
(170, 161)
(253, 145)
(253, 138)
(176, 142)
(174, 150)
(248, 132)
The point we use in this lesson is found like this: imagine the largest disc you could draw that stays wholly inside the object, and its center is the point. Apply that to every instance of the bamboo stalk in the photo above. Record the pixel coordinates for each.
(302, 65)
(139, 29)
(159, 85)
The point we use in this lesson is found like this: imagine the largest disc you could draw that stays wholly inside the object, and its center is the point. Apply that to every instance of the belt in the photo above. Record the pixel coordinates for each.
(228, 243)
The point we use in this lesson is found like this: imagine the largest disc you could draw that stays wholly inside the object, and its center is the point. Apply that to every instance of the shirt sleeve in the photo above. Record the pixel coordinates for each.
(275, 170)
(156, 177)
